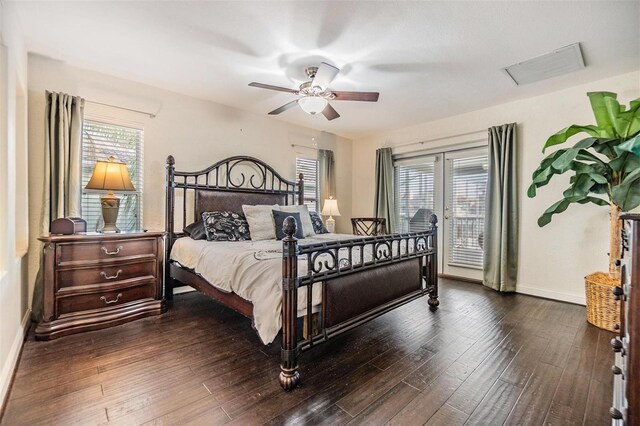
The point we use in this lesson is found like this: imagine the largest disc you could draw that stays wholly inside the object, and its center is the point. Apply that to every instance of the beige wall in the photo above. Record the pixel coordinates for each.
(553, 260)
(14, 311)
(196, 132)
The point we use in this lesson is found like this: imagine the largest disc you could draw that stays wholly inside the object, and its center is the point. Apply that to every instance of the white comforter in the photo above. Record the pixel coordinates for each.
(252, 270)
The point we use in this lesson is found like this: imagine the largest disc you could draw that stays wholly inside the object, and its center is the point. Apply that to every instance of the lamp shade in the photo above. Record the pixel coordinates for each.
(110, 175)
(330, 208)
(312, 104)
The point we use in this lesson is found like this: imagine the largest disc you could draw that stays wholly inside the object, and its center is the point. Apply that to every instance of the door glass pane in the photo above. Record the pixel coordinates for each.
(414, 195)
(467, 186)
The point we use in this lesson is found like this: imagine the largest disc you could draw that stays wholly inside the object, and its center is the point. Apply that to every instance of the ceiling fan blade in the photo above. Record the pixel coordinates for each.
(270, 87)
(325, 75)
(284, 107)
(356, 96)
(330, 113)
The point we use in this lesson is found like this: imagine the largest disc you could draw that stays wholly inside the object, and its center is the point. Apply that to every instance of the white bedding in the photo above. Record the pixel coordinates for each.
(252, 270)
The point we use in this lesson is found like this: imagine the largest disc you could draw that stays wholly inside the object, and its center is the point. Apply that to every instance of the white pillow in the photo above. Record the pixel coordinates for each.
(260, 219)
(305, 218)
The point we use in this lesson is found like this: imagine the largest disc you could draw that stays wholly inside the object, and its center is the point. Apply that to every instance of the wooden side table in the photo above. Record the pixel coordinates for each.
(94, 281)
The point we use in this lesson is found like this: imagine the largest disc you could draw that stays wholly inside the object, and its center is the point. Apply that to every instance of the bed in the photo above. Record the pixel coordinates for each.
(311, 289)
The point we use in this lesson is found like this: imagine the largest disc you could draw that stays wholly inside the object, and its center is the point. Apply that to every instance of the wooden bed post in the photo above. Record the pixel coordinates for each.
(433, 264)
(168, 225)
(289, 376)
(301, 189)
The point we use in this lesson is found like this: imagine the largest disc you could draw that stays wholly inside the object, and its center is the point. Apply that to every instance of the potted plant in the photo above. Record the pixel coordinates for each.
(605, 170)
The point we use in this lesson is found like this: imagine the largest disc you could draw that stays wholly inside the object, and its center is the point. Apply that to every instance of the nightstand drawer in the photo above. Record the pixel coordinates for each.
(105, 273)
(81, 252)
(102, 299)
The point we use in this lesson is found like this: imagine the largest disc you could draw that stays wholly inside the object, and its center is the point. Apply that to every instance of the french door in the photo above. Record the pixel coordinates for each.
(465, 182)
(452, 185)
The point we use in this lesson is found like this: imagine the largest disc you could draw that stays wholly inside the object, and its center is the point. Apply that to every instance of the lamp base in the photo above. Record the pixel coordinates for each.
(331, 224)
(110, 208)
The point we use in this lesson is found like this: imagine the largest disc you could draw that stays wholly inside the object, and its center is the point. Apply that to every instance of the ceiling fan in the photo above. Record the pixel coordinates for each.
(315, 94)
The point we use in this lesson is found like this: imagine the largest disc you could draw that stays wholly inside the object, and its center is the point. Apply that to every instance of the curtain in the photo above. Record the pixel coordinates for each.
(501, 217)
(384, 197)
(62, 185)
(326, 175)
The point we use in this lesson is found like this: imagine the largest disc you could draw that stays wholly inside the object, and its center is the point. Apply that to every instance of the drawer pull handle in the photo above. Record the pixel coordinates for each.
(111, 253)
(112, 277)
(108, 302)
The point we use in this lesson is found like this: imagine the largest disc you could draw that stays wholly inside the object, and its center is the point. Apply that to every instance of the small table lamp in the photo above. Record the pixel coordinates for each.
(330, 209)
(111, 176)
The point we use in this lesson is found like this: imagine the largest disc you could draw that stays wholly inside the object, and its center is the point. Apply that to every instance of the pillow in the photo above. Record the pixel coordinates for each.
(318, 224)
(225, 226)
(260, 220)
(279, 216)
(196, 230)
(305, 219)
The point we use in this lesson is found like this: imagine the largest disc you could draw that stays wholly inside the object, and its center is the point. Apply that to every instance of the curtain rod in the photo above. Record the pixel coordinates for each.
(439, 139)
(293, 145)
(150, 114)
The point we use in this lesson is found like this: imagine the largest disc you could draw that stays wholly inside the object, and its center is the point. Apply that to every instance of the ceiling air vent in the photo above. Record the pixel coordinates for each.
(562, 61)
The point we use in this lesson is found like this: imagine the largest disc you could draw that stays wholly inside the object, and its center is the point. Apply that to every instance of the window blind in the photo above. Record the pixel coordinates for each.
(414, 195)
(99, 141)
(467, 190)
(309, 168)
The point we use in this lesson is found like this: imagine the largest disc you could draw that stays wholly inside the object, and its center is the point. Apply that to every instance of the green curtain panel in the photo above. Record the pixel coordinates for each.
(501, 216)
(385, 198)
(326, 175)
(62, 186)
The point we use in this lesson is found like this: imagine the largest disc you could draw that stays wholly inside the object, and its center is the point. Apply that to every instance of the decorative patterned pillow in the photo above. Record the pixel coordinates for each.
(260, 220)
(196, 230)
(279, 217)
(318, 224)
(305, 219)
(225, 226)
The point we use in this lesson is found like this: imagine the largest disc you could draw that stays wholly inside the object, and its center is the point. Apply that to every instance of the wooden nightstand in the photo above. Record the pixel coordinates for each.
(94, 281)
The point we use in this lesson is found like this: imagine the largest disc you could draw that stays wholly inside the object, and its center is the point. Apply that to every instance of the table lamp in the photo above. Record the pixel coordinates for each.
(110, 176)
(330, 209)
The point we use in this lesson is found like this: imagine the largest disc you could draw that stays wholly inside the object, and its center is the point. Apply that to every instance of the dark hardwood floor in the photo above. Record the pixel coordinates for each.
(482, 358)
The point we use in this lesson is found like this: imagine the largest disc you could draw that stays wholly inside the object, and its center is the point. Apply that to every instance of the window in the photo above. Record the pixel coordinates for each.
(99, 141)
(309, 168)
(415, 194)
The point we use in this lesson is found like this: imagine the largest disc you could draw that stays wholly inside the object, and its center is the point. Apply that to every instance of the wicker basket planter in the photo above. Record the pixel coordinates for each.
(603, 310)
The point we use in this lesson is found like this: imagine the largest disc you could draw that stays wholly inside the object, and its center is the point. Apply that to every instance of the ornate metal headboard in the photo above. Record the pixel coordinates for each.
(225, 185)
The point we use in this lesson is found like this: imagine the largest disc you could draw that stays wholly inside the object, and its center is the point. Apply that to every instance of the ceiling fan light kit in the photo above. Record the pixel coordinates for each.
(315, 94)
(312, 104)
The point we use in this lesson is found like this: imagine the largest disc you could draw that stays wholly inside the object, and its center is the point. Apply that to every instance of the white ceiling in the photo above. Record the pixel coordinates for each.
(427, 59)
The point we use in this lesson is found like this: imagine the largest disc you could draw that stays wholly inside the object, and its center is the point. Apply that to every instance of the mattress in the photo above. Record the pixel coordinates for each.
(253, 271)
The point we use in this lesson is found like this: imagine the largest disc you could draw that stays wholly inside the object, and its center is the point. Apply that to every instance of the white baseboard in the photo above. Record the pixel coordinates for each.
(554, 295)
(12, 359)
(183, 289)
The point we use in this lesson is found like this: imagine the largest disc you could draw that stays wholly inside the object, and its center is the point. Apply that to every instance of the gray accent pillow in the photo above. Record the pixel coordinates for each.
(196, 230)
(225, 226)
(279, 217)
(318, 224)
(305, 219)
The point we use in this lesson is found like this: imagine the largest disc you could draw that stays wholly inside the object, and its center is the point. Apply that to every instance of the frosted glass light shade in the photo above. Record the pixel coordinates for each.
(110, 175)
(312, 104)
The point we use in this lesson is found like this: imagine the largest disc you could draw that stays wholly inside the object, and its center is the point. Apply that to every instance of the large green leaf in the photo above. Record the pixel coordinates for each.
(580, 186)
(627, 123)
(564, 134)
(605, 109)
(627, 194)
(543, 174)
(563, 204)
(631, 145)
(633, 118)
